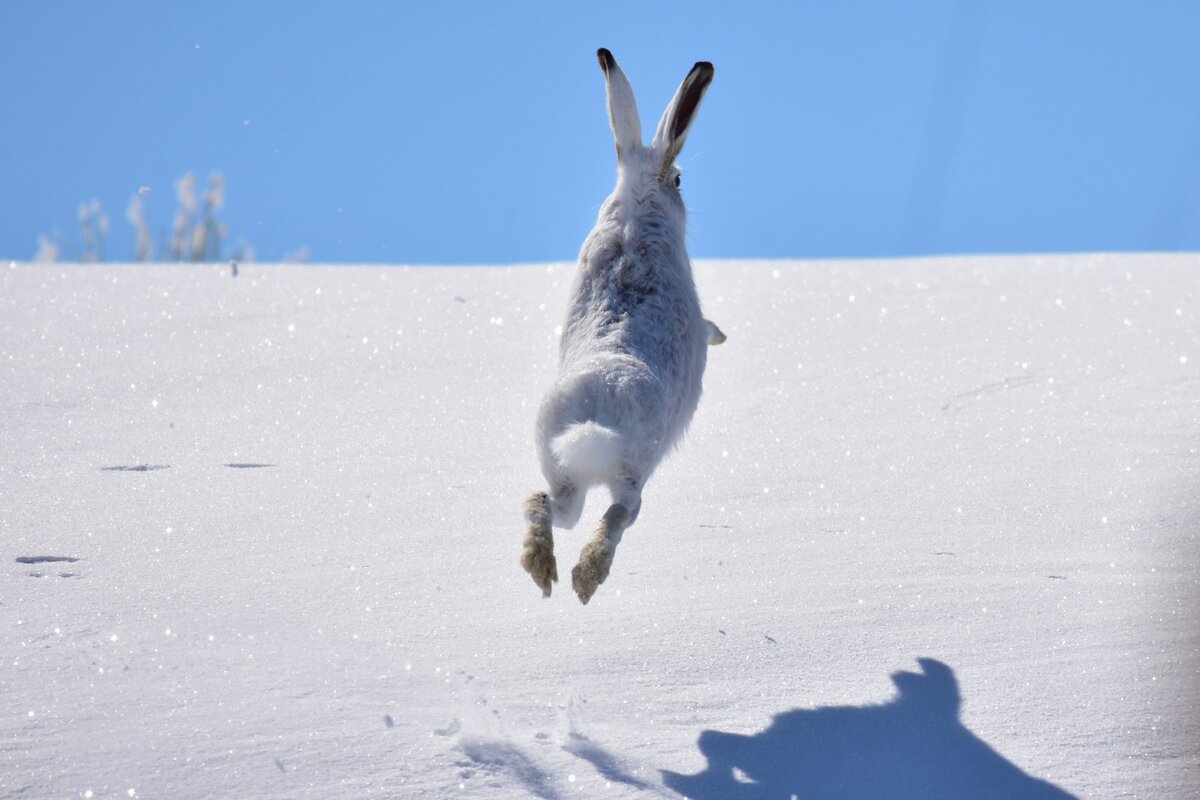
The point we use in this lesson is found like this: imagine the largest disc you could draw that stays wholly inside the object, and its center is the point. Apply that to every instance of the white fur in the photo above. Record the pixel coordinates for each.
(587, 451)
(633, 347)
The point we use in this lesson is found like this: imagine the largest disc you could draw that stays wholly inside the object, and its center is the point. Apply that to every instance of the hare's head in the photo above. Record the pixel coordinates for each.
(644, 169)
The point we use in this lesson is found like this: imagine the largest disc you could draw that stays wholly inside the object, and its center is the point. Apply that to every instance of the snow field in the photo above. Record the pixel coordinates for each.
(294, 497)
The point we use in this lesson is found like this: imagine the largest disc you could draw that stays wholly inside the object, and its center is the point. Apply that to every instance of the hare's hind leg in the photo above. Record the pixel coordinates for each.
(561, 508)
(537, 551)
(597, 556)
(566, 504)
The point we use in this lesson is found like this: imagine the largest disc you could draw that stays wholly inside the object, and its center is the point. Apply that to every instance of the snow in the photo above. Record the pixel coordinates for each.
(290, 502)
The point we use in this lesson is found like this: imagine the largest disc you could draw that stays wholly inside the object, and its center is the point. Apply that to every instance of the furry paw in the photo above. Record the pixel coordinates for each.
(537, 557)
(537, 510)
(537, 551)
(592, 569)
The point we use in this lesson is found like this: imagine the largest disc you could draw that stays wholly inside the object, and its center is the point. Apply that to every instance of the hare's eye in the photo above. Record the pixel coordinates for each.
(677, 181)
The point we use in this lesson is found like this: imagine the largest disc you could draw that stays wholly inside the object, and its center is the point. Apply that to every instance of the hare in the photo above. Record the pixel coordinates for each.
(633, 346)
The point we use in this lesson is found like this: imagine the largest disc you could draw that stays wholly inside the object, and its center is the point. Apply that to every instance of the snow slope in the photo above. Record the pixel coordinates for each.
(292, 504)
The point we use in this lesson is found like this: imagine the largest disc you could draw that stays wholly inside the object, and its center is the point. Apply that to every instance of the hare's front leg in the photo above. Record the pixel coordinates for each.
(537, 551)
(597, 556)
(715, 335)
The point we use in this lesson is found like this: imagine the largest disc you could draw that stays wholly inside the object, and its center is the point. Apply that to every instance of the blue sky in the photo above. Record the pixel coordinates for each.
(450, 132)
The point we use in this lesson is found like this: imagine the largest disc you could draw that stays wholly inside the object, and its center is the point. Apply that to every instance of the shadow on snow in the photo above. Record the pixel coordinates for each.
(912, 748)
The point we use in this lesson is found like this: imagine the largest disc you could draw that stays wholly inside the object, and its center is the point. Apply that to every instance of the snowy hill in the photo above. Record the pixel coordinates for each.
(934, 533)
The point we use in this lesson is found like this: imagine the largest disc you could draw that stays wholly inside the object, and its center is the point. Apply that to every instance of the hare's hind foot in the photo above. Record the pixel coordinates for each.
(596, 559)
(537, 551)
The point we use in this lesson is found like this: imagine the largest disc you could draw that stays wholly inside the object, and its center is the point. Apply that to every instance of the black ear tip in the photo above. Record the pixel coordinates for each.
(705, 68)
(605, 58)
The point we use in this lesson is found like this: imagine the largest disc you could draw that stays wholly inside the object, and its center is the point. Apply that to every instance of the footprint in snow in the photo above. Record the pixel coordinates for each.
(48, 560)
(135, 468)
(605, 762)
(454, 727)
(157, 467)
(496, 758)
(45, 559)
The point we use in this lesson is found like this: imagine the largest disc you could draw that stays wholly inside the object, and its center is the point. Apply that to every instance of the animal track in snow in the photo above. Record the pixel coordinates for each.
(45, 559)
(608, 765)
(454, 727)
(496, 757)
(960, 401)
(157, 467)
(49, 560)
(135, 468)
(605, 763)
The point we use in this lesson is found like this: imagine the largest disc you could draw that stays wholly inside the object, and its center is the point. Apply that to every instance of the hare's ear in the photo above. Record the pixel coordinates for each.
(622, 107)
(673, 127)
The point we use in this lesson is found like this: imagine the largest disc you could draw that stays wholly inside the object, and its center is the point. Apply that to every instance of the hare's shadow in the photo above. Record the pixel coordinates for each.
(912, 748)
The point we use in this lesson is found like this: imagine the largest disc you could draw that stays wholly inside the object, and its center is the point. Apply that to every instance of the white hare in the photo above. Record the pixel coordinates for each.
(633, 345)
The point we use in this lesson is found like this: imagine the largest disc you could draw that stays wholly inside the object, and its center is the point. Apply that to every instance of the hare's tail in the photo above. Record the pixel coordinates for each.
(587, 451)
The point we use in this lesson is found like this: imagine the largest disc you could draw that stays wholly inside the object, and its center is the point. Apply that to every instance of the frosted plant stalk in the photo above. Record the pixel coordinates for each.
(136, 214)
(185, 191)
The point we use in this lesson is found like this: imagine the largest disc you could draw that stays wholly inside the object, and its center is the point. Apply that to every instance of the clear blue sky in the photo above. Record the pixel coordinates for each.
(449, 132)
